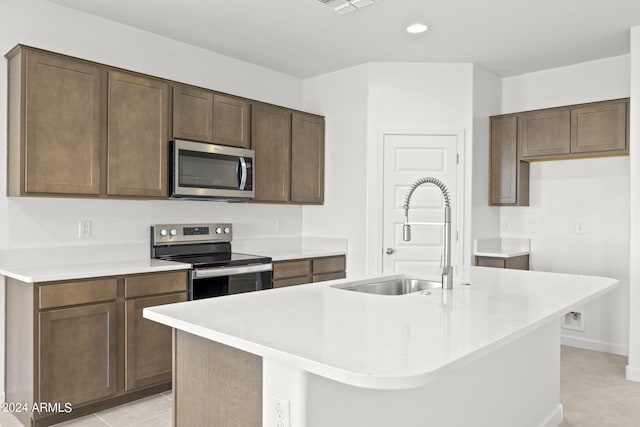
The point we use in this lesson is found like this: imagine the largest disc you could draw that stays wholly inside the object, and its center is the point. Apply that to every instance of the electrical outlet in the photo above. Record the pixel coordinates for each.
(84, 228)
(506, 226)
(574, 320)
(579, 228)
(281, 412)
(280, 225)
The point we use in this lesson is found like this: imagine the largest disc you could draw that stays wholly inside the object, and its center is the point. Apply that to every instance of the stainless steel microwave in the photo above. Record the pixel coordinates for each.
(208, 171)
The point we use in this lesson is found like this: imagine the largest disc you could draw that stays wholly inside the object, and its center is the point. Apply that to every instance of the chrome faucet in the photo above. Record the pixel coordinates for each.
(447, 269)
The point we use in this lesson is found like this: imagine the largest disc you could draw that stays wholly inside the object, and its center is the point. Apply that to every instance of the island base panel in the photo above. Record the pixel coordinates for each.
(214, 384)
(517, 384)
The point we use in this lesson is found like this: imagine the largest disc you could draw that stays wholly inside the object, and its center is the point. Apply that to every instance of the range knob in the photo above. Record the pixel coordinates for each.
(219, 230)
(227, 230)
(173, 232)
(163, 232)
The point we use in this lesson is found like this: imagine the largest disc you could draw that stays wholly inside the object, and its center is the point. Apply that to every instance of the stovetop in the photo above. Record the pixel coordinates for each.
(227, 259)
(201, 245)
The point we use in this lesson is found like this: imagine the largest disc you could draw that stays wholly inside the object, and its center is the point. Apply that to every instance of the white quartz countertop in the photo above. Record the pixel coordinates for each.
(503, 253)
(380, 341)
(36, 273)
(501, 247)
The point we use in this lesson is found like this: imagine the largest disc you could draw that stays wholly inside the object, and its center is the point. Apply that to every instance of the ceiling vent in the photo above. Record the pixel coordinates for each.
(344, 6)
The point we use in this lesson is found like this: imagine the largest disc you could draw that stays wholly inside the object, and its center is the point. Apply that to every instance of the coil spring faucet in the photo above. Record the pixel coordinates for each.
(447, 269)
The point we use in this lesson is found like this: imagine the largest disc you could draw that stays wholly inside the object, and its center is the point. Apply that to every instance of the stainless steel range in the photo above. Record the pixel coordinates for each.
(215, 270)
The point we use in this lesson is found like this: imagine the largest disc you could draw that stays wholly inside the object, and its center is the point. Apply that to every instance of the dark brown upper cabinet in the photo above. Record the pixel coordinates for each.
(545, 133)
(509, 176)
(82, 129)
(585, 130)
(271, 140)
(307, 158)
(137, 130)
(596, 129)
(600, 127)
(55, 122)
(206, 116)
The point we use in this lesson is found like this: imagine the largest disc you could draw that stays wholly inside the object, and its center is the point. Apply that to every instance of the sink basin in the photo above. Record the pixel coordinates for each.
(394, 287)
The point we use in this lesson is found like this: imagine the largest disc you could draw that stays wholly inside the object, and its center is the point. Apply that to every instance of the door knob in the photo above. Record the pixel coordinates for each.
(389, 251)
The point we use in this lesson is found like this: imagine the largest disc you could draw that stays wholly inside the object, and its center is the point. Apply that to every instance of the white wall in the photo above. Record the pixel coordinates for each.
(487, 90)
(26, 222)
(342, 97)
(358, 103)
(633, 368)
(591, 192)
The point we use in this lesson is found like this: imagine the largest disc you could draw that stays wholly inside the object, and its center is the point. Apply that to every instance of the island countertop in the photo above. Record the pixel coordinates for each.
(381, 341)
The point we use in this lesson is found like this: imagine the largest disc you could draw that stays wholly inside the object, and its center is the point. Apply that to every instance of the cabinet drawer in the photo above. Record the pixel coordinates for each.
(329, 276)
(490, 262)
(287, 269)
(74, 293)
(155, 284)
(292, 281)
(329, 264)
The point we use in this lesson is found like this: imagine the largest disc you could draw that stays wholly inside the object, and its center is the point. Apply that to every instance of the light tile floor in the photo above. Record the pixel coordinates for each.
(593, 393)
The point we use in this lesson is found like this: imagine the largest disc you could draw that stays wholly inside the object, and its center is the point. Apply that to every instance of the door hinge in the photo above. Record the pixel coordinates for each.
(456, 236)
(457, 159)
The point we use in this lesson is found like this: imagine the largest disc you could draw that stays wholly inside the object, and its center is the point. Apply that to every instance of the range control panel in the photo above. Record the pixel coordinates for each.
(167, 234)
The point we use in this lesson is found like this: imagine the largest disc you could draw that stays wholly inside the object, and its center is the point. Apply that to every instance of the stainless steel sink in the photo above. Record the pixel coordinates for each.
(394, 287)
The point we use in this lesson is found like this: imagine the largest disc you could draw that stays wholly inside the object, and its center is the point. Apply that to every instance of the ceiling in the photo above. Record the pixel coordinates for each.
(305, 38)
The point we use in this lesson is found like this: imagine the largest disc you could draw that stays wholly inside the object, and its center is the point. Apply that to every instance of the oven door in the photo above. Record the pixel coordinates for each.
(215, 282)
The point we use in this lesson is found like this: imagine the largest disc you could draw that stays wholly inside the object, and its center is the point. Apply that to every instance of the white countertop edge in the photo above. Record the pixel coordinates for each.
(359, 379)
(501, 254)
(92, 270)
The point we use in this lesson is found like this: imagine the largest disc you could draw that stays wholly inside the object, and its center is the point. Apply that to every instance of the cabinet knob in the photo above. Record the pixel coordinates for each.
(389, 251)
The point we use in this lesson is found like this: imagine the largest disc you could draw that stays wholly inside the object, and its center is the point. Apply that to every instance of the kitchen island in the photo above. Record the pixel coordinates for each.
(485, 354)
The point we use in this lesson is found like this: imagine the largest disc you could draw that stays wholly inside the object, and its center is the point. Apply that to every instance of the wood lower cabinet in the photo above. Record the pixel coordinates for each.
(308, 270)
(515, 263)
(85, 342)
(509, 176)
(55, 121)
(78, 353)
(207, 116)
(137, 145)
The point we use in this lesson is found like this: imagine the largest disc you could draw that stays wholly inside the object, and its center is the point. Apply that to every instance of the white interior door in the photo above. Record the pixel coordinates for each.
(408, 157)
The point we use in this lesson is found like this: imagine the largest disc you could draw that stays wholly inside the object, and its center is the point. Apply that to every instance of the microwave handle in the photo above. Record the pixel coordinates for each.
(243, 173)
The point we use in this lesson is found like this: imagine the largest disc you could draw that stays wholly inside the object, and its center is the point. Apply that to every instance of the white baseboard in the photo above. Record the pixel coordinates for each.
(588, 344)
(553, 419)
(632, 373)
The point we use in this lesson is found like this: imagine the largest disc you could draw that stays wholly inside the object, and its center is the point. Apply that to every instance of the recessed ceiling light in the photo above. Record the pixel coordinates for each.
(417, 28)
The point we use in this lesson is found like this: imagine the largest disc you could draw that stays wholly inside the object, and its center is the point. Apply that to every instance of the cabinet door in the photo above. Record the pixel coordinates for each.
(545, 133)
(63, 125)
(78, 353)
(137, 136)
(307, 158)
(192, 113)
(599, 128)
(271, 140)
(231, 121)
(147, 344)
(509, 177)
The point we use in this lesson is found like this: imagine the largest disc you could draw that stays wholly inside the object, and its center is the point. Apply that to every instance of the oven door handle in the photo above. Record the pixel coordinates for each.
(205, 273)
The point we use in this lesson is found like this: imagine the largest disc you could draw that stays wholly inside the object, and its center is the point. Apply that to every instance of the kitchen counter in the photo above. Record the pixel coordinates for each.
(292, 247)
(50, 273)
(501, 247)
(359, 338)
(343, 358)
(36, 265)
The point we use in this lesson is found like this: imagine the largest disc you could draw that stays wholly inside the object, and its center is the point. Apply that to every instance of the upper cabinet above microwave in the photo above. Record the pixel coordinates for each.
(207, 116)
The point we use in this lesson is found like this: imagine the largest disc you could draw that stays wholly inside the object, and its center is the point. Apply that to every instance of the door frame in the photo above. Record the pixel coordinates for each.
(375, 204)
